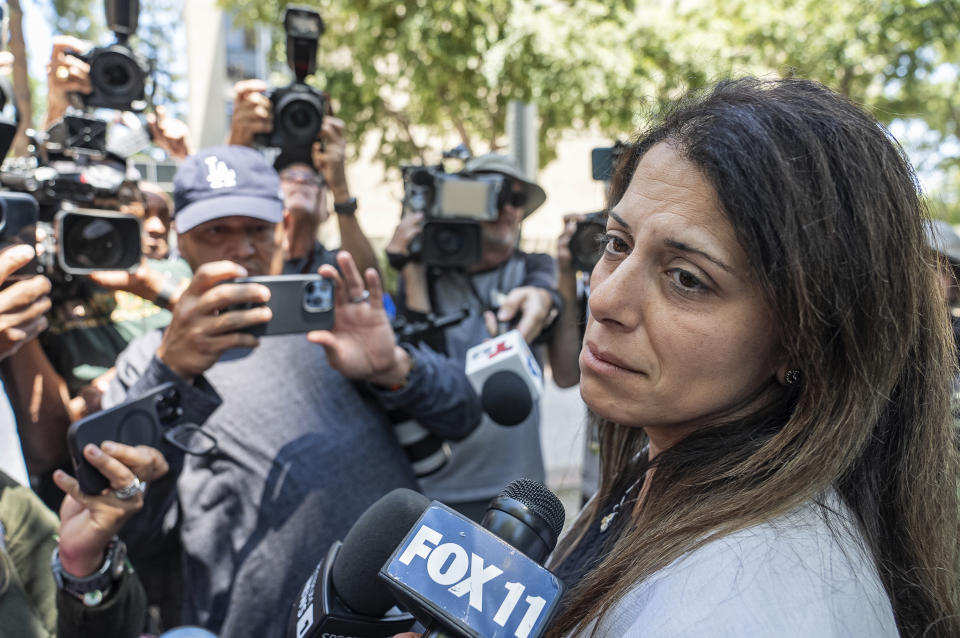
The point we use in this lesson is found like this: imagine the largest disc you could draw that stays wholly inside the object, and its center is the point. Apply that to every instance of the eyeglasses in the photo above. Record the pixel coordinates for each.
(303, 177)
(517, 199)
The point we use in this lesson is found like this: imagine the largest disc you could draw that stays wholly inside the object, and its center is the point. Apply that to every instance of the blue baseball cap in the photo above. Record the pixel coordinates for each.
(223, 181)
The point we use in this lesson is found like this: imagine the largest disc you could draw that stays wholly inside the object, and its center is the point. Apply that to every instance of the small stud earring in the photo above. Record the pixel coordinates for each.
(792, 377)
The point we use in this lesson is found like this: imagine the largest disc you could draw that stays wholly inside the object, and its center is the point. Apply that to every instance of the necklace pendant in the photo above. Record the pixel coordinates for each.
(606, 520)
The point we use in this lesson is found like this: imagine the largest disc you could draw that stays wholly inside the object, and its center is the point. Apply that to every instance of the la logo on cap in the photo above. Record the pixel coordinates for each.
(219, 174)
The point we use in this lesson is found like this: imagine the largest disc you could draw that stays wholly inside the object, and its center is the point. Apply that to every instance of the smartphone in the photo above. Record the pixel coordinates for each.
(18, 225)
(138, 422)
(300, 303)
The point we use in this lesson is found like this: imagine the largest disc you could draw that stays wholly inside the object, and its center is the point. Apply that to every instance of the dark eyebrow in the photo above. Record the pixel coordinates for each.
(618, 219)
(678, 245)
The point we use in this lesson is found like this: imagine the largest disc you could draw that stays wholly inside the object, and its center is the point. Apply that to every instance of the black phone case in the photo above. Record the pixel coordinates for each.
(300, 303)
(18, 225)
(134, 423)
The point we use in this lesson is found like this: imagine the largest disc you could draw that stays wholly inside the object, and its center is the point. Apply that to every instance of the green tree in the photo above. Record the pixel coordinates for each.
(418, 69)
(414, 70)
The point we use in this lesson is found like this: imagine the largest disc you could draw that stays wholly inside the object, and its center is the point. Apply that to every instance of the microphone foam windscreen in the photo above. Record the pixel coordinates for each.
(540, 500)
(506, 398)
(369, 544)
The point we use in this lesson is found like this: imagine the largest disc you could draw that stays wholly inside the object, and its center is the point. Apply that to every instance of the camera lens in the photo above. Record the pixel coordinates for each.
(318, 296)
(94, 243)
(449, 241)
(299, 118)
(115, 74)
(585, 244)
(98, 241)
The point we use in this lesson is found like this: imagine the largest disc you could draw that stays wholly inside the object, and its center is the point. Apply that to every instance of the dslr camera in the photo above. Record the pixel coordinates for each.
(584, 244)
(298, 108)
(118, 75)
(454, 206)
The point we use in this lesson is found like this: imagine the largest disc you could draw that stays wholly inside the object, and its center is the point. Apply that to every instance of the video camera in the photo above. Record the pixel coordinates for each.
(57, 191)
(454, 205)
(298, 108)
(118, 75)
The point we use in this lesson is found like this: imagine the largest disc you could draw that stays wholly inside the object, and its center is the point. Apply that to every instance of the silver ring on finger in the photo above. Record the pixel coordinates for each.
(136, 487)
(364, 296)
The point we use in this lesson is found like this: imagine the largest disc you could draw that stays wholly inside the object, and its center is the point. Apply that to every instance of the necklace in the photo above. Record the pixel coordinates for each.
(606, 520)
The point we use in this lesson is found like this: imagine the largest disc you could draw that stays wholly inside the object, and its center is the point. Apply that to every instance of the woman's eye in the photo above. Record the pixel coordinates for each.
(613, 244)
(686, 281)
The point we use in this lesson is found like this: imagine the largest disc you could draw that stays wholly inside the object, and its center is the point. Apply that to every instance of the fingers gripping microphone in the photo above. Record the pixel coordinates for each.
(506, 377)
(344, 596)
(463, 580)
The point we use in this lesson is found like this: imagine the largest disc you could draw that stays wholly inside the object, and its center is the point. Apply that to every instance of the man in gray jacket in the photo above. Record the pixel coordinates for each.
(304, 443)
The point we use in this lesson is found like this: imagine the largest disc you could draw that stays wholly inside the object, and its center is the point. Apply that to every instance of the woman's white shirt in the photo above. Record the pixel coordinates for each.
(796, 576)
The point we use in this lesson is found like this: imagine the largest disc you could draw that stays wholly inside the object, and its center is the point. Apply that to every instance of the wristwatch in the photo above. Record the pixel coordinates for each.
(348, 207)
(165, 295)
(93, 589)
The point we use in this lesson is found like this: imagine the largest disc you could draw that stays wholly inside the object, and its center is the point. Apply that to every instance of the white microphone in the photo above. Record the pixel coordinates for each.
(506, 377)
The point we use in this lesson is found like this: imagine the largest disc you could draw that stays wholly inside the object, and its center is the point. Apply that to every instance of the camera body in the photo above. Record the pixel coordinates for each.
(118, 75)
(298, 108)
(454, 206)
(118, 78)
(584, 243)
(297, 117)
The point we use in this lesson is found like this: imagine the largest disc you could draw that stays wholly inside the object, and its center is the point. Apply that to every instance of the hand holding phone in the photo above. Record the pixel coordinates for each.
(203, 327)
(149, 420)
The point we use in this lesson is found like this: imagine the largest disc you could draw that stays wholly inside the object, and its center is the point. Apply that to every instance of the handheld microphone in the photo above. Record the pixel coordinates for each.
(464, 580)
(344, 596)
(506, 377)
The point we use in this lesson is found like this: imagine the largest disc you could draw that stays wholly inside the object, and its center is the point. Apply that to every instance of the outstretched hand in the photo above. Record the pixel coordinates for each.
(361, 344)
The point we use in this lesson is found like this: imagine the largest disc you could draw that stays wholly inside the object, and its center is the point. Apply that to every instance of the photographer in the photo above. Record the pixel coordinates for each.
(506, 285)
(306, 174)
(69, 76)
(304, 441)
(91, 590)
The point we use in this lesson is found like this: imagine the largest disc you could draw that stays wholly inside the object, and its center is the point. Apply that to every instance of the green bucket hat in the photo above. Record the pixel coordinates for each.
(497, 163)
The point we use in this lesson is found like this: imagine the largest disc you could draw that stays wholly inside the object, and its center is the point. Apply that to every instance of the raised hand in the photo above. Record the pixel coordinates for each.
(362, 344)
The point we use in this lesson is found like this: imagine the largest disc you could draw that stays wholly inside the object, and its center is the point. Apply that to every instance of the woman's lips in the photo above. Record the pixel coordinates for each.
(604, 361)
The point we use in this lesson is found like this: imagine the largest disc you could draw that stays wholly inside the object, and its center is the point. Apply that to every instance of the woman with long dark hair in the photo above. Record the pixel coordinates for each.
(768, 355)
(770, 365)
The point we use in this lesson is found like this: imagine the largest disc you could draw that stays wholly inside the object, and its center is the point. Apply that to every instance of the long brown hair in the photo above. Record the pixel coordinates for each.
(828, 210)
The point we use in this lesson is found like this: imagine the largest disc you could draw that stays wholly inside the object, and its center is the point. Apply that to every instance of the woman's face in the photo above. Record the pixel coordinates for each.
(678, 333)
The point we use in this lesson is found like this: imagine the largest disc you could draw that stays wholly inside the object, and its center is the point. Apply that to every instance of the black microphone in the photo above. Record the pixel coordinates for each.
(464, 580)
(505, 398)
(506, 377)
(344, 596)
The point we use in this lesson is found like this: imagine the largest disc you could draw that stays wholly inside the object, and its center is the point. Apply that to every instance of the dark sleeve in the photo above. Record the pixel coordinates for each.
(121, 615)
(198, 399)
(150, 527)
(541, 272)
(437, 394)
